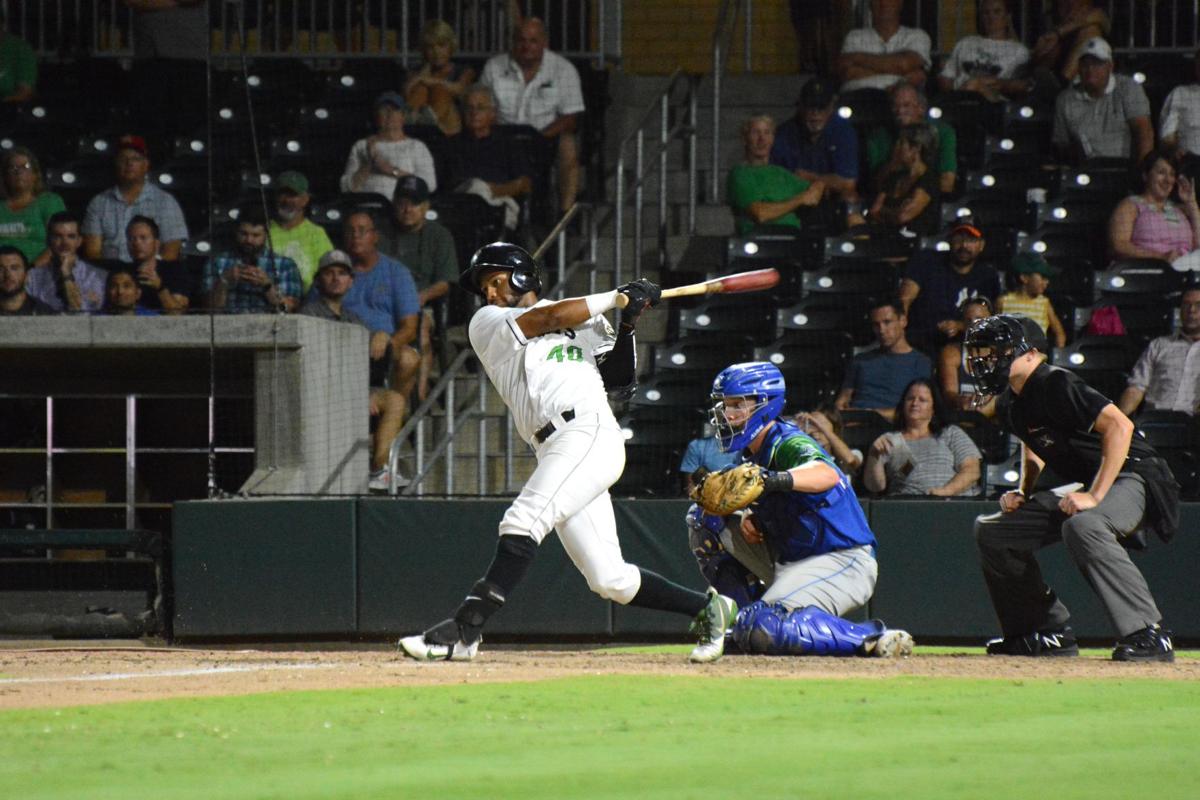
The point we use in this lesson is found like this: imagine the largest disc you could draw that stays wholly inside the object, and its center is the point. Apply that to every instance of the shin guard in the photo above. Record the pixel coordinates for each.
(774, 630)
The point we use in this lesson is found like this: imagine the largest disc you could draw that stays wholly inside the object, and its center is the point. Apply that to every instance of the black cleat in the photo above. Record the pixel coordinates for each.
(1148, 644)
(1039, 644)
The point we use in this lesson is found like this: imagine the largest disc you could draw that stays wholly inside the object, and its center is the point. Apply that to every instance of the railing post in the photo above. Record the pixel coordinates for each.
(714, 183)
(664, 130)
(693, 86)
(748, 43)
(639, 161)
(619, 219)
(481, 448)
(450, 427)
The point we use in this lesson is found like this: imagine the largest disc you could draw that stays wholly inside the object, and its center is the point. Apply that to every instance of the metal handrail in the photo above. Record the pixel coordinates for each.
(722, 36)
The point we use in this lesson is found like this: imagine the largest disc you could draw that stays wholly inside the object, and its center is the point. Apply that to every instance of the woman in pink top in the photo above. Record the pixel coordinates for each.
(1150, 224)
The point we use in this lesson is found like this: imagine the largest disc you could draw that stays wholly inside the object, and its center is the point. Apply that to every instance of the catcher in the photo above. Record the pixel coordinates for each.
(787, 520)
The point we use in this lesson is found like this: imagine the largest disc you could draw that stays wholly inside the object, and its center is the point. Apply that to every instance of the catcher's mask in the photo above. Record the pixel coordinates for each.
(524, 274)
(991, 345)
(759, 380)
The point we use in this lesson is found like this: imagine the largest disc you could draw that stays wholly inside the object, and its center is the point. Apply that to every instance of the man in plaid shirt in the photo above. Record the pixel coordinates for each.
(249, 280)
(537, 87)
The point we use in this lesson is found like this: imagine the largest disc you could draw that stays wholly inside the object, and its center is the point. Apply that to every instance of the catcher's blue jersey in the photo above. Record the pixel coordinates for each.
(797, 524)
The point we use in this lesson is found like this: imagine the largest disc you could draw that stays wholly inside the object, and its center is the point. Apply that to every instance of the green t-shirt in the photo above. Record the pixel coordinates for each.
(26, 229)
(754, 183)
(304, 244)
(881, 141)
(18, 65)
(429, 254)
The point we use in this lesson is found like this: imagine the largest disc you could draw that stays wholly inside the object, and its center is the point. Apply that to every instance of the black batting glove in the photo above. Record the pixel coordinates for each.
(642, 294)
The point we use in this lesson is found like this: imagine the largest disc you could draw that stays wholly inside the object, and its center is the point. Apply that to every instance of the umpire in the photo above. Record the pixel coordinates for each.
(1122, 487)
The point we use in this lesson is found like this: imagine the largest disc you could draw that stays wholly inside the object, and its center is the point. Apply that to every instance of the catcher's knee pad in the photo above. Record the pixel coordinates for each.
(756, 628)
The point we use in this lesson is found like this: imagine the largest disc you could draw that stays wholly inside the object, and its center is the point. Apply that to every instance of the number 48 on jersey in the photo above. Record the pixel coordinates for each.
(570, 352)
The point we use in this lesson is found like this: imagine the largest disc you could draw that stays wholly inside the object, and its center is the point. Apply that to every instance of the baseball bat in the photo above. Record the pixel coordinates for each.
(753, 281)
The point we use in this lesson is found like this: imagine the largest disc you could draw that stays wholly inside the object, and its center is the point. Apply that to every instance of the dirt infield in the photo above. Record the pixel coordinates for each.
(62, 676)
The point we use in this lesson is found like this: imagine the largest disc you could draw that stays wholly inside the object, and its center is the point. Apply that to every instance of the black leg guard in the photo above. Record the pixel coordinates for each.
(484, 600)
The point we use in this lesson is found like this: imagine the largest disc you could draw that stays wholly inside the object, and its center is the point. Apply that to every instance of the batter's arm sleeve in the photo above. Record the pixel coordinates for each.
(618, 367)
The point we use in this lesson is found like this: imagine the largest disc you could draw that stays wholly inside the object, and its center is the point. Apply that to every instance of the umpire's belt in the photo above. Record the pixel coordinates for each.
(546, 431)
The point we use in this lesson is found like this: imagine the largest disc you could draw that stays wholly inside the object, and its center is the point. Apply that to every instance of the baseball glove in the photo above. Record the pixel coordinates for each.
(729, 489)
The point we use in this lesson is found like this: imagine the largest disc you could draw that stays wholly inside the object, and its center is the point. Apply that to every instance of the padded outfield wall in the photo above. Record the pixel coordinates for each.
(377, 568)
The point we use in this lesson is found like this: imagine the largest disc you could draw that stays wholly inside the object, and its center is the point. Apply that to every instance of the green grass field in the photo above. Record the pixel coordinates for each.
(624, 737)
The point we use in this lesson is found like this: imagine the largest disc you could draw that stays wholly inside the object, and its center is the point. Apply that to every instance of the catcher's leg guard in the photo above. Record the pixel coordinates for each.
(721, 570)
(774, 630)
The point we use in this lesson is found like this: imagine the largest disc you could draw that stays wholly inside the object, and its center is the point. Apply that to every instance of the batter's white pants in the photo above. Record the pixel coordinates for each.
(837, 582)
(568, 492)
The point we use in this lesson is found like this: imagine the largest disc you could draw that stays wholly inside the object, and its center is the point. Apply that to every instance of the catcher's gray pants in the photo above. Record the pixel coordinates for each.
(837, 582)
(1023, 601)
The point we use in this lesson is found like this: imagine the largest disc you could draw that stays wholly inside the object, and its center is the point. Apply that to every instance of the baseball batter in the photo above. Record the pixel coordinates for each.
(804, 538)
(554, 364)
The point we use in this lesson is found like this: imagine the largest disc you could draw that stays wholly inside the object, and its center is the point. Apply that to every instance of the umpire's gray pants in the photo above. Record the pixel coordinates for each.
(1023, 601)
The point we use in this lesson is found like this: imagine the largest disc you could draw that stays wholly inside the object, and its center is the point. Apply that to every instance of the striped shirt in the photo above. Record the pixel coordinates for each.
(108, 214)
(1022, 305)
(935, 461)
(1169, 373)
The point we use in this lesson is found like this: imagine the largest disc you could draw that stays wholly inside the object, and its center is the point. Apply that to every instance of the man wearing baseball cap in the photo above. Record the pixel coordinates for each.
(109, 212)
(817, 144)
(378, 161)
(292, 233)
(1102, 114)
(936, 283)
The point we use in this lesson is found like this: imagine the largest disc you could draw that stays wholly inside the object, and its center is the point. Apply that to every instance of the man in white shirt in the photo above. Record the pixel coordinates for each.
(1167, 376)
(885, 53)
(1179, 123)
(537, 87)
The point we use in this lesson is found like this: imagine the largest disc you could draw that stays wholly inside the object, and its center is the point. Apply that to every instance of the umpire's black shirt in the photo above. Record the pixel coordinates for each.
(1054, 416)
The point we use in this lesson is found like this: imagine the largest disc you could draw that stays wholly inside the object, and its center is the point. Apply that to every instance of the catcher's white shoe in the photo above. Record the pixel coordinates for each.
(890, 644)
(710, 625)
(416, 647)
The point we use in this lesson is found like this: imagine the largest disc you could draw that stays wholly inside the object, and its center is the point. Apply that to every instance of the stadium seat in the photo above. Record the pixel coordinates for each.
(865, 108)
(1064, 241)
(1087, 212)
(1102, 361)
(1004, 476)
(988, 436)
(78, 181)
(700, 359)
(1174, 435)
(812, 362)
(863, 278)
(787, 252)
(330, 215)
(1015, 150)
(1107, 183)
(1142, 316)
(668, 397)
(828, 313)
(861, 427)
(730, 315)
(857, 248)
(995, 213)
(1140, 276)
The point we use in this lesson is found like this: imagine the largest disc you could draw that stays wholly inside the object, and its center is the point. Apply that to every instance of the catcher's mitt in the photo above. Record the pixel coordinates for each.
(727, 490)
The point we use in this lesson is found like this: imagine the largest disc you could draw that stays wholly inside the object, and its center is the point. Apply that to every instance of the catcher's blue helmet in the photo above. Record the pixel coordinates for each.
(758, 379)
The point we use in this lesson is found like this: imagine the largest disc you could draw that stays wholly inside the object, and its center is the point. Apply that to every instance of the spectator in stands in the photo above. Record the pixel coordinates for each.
(909, 196)
(251, 280)
(1179, 122)
(109, 213)
(538, 87)
(824, 424)
(292, 233)
(909, 107)
(18, 67)
(760, 193)
(704, 452)
(1166, 376)
(876, 378)
(1151, 224)
(123, 293)
(924, 455)
(426, 247)
(886, 52)
(166, 285)
(384, 296)
(1029, 298)
(1102, 114)
(483, 161)
(14, 300)
(1057, 51)
(170, 54)
(935, 285)
(816, 144)
(377, 162)
(958, 387)
(992, 64)
(67, 282)
(335, 276)
(27, 206)
(433, 91)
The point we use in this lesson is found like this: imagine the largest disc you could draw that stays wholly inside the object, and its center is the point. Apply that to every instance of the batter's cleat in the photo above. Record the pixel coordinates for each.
(1037, 645)
(709, 627)
(889, 644)
(1148, 644)
(416, 647)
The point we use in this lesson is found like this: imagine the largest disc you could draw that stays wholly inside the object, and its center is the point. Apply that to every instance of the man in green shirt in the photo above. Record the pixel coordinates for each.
(909, 107)
(426, 247)
(760, 193)
(292, 234)
(18, 68)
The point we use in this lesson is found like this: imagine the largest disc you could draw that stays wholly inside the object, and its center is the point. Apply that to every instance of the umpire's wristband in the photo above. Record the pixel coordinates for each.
(777, 481)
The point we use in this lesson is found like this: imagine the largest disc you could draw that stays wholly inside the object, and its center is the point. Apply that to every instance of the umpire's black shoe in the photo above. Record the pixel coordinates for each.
(1148, 644)
(1039, 644)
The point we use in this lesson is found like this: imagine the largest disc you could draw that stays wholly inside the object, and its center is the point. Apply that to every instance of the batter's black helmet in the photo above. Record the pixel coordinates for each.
(524, 273)
(992, 343)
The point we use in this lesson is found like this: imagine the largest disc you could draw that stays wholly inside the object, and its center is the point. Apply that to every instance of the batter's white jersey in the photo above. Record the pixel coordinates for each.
(542, 377)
